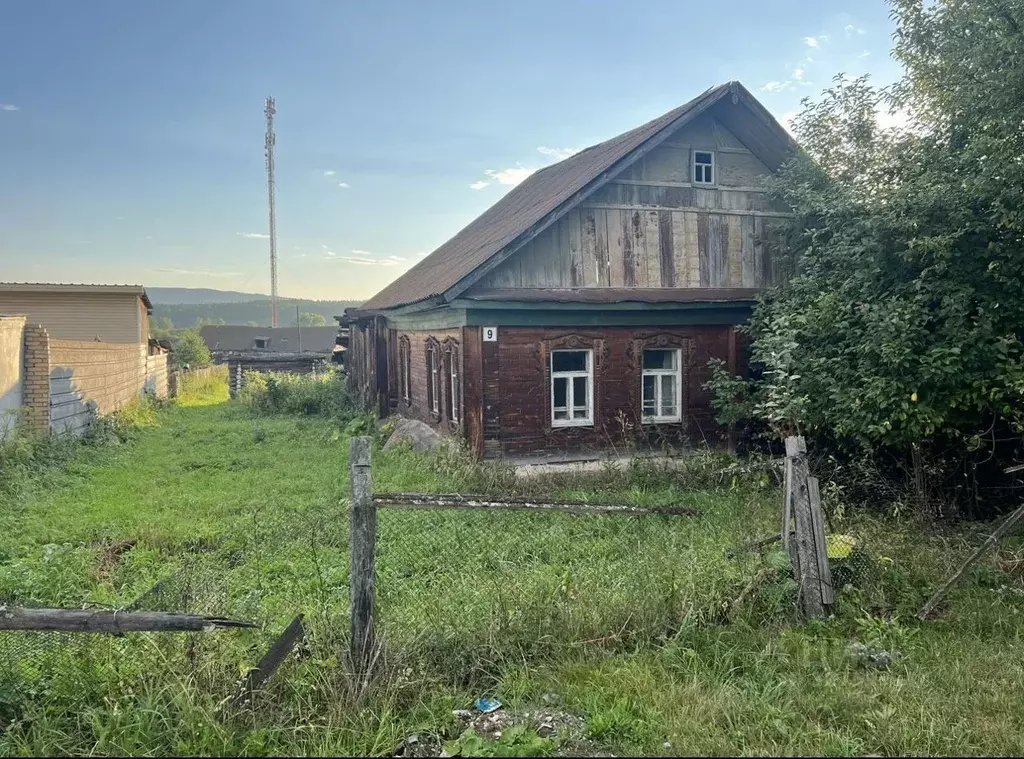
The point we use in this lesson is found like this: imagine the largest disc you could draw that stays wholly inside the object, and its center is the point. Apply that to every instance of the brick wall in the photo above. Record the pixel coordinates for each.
(36, 388)
(506, 387)
(516, 389)
(92, 379)
(418, 408)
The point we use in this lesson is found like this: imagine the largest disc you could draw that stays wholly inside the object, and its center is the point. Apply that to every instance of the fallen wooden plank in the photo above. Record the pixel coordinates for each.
(1008, 524)
(110, 622)
(753, 545)
(273, 659)
(459, 501)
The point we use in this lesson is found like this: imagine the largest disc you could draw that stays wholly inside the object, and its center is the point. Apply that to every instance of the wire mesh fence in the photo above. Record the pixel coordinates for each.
(488, 582)
(36, 666)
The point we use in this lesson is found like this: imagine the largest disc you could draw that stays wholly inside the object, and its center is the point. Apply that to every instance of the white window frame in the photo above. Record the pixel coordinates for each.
(404, 363)
(569, 389)
(434, 378)
(453, 378)
(659, 373)
(694, 164)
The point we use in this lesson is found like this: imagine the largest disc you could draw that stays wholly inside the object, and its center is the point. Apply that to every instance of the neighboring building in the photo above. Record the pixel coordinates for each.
(270, 349)
(235, 339)
(106, 313)
(580, 311)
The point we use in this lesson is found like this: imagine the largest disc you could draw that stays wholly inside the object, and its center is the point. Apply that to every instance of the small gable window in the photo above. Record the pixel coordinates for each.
(703, 167)
(260, 343)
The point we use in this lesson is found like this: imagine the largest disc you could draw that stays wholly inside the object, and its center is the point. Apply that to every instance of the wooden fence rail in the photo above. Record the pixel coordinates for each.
(110, 622)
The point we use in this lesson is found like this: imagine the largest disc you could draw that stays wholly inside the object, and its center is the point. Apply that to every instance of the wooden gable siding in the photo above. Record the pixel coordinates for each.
(651, 227)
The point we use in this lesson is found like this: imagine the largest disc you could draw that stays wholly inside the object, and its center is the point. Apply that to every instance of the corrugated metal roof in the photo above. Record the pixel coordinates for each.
(32, 287)
(537, 197)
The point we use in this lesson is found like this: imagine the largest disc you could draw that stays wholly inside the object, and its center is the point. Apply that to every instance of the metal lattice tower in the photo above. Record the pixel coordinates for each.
(270, 110)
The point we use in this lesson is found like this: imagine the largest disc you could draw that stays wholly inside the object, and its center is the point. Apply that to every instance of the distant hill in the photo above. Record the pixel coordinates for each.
(191, 295)
(188, 307)
(255, 312)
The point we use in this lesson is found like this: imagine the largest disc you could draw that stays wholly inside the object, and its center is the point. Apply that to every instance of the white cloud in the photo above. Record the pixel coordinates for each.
(253, 235)
(865, 54)
(396, 258)
(363, 253)
(776, 86)
(370, 261)
(798, 74)
(510, 176)
(343, 185)
(330, 173)
(9, 107)
(194, 273)
(811, 41)
(479, 184)
(148, 237)
(559, 154)
(851, 30)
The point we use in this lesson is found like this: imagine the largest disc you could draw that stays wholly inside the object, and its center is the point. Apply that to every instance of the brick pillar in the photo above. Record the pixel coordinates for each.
(36, 388)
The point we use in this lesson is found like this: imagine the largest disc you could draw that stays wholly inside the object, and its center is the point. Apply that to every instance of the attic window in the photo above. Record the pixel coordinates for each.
(260, 343)
(703, 167)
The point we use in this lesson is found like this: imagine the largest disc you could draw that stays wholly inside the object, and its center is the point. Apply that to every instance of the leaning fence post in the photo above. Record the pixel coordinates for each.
(362, 545)
(812, 570)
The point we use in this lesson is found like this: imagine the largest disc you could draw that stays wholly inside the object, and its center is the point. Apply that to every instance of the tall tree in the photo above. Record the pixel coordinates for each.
(901, 323)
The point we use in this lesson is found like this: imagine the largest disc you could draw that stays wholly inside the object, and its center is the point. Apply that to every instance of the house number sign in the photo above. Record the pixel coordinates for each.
(490, 334)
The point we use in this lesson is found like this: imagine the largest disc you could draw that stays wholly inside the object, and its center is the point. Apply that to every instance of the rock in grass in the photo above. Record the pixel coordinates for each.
(873, 658)
(422, 437)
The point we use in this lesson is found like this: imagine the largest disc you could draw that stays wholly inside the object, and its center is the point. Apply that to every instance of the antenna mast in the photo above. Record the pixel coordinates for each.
(270, 110)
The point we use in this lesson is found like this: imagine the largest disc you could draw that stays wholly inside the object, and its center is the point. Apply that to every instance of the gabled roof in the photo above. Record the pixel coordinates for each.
(547, 194)
(50, 287)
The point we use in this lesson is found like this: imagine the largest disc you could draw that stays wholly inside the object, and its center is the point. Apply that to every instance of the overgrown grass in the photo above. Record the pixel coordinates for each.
(205, 388)
(627, 619)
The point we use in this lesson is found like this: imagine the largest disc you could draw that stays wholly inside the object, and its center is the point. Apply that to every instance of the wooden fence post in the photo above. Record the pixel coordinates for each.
(362, 549)
(812, 568)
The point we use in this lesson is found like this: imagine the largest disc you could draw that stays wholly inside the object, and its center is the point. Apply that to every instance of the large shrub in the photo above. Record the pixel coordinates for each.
(899, 328)
(190, 350)
(321, 394)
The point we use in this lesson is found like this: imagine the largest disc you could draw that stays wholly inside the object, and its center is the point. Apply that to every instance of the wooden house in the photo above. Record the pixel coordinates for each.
(581, 310)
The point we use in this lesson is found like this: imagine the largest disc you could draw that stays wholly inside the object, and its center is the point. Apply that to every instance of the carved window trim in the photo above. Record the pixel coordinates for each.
(434, 364)
(453, 365)
(662, 341)
(404, 370)
(598, 356)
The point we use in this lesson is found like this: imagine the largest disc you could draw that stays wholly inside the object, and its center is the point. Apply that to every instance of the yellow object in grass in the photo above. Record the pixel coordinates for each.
(839, 546)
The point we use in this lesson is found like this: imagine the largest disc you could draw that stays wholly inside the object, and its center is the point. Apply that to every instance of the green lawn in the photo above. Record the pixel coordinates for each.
(626, 619)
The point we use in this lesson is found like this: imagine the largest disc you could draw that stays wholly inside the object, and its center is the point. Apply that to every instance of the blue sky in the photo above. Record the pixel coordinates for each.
(131, 132)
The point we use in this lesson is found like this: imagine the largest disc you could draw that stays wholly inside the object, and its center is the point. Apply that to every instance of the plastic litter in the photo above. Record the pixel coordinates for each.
(488, 705)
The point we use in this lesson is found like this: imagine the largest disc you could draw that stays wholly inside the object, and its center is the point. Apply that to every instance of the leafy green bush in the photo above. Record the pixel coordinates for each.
(309, 394)
(190, 350)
